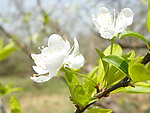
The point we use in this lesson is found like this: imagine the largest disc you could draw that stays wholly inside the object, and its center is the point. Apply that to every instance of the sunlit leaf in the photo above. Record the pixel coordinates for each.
(144, 84)
(134, 90)
(117, 50)
(100, 53)
(98, 110)
(148, 21)
(80, 96)
(114, 75)
(139, 72)
(149, 4)
(118, 62)
(129, 56)
(7, 89)
(14, 105)
(7, 50)
(71, 79)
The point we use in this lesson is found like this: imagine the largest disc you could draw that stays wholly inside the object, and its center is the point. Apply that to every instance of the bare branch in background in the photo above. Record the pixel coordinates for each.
(22, 46)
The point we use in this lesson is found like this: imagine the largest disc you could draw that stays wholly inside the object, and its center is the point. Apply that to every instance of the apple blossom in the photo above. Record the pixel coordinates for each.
(107, 23)
(52, 58)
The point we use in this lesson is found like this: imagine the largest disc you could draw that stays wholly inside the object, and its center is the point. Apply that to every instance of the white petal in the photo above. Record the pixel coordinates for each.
(75, 62)
(108, 33)
(128, 14)
(103, 10)
(121, 23)
(39, 70)
(103, 20)
(55, 62)
(76, 47)
(40, 79)
(39, 60)
(56, 43)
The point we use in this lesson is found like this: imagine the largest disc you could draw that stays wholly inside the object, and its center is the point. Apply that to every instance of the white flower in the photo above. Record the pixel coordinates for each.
(52, 58)
(107, 23)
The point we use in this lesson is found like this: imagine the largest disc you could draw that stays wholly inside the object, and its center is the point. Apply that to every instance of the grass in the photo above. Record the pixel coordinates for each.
(49, 97)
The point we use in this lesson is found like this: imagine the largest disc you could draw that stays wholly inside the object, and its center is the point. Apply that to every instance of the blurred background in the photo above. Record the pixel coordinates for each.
(30, 22)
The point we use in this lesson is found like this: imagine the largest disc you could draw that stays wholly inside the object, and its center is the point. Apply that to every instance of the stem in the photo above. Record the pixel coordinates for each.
(148, 46)
(111, 43)
(122, 83)
(81, 75)
(111, 50)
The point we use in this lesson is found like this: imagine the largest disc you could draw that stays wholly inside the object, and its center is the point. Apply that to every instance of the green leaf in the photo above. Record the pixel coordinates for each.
(118, 62)
(129, 56)
(149, 4)
(101, 74)
(100, 53)
(132, 34)
(117, 50)
(139, 72)
(7, 89)
(98, 110)
(46, 18)
(148, 21)
(71, 79)
(134, 90)
(14, 105)
(143, 84)
(27, 17)
(7, 50)
(114, 75)
(80, 96)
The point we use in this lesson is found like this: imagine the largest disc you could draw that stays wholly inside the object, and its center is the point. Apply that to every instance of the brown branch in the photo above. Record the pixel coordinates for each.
(123, 83)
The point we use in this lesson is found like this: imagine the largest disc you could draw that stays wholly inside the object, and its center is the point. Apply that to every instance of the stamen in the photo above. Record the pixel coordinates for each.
(39, 48)
(114, 17)
(35, 75)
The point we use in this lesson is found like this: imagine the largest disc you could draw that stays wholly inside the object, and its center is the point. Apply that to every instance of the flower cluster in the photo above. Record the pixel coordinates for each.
(52, 58)
(59, 53)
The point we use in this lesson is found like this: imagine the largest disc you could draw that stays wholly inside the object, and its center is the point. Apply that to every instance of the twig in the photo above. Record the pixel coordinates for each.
(122, 83)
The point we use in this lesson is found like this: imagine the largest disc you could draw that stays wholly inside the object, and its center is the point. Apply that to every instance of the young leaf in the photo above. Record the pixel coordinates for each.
(4, 90)
(134, 90)
(118, 62)
(149, 4)
(80, 96)
(101, 73)
(132, 34)
(71, 79)
(129, 56)
(100, 53)
(98, 110)
(114, 75)
(139, 72)
(14, 105)
(117, 50)
(7, 50)
(148, 20)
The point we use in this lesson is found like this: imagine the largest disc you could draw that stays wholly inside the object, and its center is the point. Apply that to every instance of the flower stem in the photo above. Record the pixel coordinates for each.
(79, 74)
(107, 66)
(111, 44)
